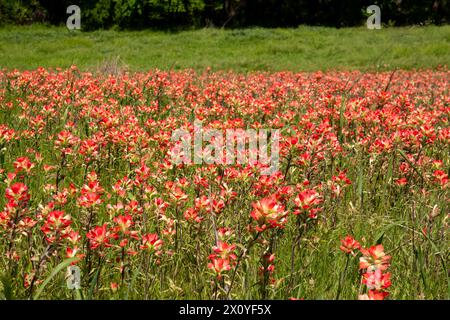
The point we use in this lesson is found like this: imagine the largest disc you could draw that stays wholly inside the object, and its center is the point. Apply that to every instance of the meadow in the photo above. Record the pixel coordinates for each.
(302, 49)
(358, 208)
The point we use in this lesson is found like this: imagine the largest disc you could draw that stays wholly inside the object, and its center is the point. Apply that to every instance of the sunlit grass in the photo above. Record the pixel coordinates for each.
(301, 49)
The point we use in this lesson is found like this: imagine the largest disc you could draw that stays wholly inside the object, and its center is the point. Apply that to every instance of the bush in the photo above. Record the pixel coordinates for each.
(139, 14)
(21, 12)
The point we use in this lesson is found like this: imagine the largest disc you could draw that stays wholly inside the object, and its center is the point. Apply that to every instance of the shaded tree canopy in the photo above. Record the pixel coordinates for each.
(138, 14)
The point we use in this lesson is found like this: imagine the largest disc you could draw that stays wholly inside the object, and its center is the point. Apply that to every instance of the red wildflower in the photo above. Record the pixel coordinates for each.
(219, 266)
(376, 280)
(374, 258)
(224, 250)
(17, 192)
(23, 163)
(89, 199)
(401, 181)
(124, 223)
(441, 177)
(349, 245)
(151, 243)
(99, 236)
(307, 198)
(268, 213)
(374, 295)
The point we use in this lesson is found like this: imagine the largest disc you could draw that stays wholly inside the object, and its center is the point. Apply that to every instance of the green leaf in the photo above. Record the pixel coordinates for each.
(93, 283)
(57, 269)
(380, 237)
(78, 295)
(7, 287)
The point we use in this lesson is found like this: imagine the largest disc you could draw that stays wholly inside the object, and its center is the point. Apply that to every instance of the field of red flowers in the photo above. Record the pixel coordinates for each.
(357, 210)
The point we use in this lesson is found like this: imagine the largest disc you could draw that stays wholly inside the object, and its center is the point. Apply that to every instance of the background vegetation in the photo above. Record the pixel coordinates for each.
(136, 14)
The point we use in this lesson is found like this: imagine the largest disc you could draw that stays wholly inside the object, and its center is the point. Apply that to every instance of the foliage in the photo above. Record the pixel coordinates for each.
(137, 14)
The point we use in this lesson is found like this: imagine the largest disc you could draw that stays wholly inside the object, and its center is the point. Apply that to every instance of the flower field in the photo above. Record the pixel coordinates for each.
(358, 208)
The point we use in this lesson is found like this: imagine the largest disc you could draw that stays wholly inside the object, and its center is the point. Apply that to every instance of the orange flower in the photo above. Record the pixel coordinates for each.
(349, 245)
(374, 295)
(218, 266)
(23, 163)
(268, 213)
(17, 192)
(374, 258)
(224, 250)
(151, 243)
(307, 198)
(99, 236)
(376, 280)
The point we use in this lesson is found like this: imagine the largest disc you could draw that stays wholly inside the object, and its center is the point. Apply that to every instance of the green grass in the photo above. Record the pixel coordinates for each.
(301, 49)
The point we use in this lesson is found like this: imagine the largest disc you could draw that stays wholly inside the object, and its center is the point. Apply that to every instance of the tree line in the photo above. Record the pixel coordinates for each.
(163, 14)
